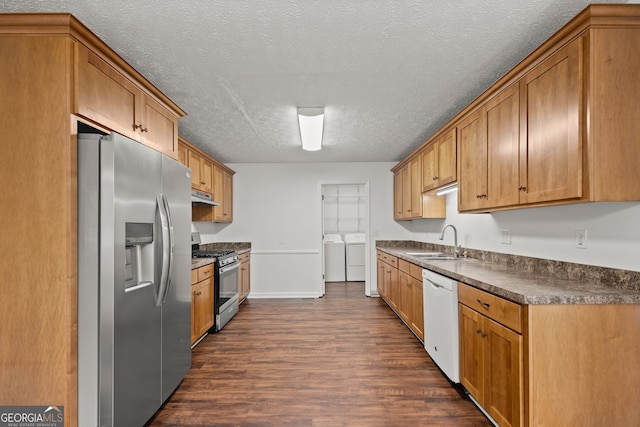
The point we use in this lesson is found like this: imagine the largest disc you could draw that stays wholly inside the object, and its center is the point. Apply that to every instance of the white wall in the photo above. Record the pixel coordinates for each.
(277, 208)
(613, 232)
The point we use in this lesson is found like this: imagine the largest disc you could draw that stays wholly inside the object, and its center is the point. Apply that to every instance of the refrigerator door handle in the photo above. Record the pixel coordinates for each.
(171, 246)
(166, 250)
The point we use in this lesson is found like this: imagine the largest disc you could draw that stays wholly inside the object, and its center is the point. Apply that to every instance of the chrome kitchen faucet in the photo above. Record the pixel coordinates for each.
(455, 239)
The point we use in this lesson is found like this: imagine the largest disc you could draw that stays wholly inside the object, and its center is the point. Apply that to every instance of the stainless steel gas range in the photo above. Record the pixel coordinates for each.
(225, 282)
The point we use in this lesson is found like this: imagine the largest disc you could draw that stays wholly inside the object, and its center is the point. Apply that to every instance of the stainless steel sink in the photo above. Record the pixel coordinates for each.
(433, 255)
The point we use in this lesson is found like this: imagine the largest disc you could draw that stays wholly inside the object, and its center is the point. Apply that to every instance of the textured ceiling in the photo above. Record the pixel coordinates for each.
(389, 73)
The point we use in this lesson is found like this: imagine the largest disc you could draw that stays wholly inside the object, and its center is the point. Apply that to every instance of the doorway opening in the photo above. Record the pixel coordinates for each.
(345, 233)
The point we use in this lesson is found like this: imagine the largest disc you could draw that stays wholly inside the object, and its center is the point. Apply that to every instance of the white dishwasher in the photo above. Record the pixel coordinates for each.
(441, 322)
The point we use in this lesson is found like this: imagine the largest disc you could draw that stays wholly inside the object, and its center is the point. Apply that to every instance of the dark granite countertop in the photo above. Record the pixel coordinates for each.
(201, 262)
(526, 281)
(240, 247)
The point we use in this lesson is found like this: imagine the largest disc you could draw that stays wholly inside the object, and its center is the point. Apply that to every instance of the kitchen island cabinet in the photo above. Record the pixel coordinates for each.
(47, 97)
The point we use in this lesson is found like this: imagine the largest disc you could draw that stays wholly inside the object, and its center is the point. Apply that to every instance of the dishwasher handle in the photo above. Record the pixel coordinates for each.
(434, 284)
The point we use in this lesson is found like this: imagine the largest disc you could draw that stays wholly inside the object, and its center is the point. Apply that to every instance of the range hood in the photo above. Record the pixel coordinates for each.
(198, 198)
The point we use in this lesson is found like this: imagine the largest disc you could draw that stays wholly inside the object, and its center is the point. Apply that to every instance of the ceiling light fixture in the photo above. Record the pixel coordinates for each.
(311, 122)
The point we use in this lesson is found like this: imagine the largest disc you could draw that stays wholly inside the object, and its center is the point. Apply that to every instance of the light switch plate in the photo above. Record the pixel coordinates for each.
(505, 237)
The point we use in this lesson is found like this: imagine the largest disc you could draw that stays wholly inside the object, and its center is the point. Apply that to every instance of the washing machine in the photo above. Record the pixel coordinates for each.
(354, 246)
(334, 258)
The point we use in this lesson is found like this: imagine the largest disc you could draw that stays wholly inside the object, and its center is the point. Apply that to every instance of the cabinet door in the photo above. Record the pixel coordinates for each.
(105, 96)
(227, 200)
(472, 162)
(391, 278)
(183, 155)
(429, 169)
(551, 107)
(471, 351)
(201, 172)
(202, 307)
(159, 127)
(244, 276)
(417, 308)
(406, 192)
(381, 290)
(503, 136)
(397, 196)
(446, 158)
(415, 187)
(503, 396)
(404, 296)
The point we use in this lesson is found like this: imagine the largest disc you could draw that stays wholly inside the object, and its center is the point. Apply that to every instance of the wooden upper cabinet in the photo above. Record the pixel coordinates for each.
(523, 145)
(569, 110)
(159, 127)
(551, 131)
(105, 96)
(503, 145)
(408, 199)
(397, 196)
(183, 155)
(439, 162)
(223, 194)
(415, 187)
(472, 162)
(201, 172)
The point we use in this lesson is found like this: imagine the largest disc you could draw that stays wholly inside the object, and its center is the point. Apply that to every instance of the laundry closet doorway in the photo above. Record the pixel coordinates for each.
(345, 233)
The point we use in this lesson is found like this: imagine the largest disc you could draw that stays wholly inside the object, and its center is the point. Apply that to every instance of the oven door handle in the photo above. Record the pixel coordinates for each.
(229, 267)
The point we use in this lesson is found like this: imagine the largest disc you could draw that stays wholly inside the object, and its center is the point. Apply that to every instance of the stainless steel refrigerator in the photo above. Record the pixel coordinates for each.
(134, 283)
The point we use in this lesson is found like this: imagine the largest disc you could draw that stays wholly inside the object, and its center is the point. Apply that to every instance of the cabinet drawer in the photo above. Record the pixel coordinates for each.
(194, 276)
(244, 257)
(404, 266)
(499, 309)
(415, 272)
(205, 272)
(390, 259)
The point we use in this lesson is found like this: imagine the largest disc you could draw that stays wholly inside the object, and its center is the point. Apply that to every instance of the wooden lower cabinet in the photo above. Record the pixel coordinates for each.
(491, 366)
(550, 365)
(202, 299)
(400, 285)
(244, 283)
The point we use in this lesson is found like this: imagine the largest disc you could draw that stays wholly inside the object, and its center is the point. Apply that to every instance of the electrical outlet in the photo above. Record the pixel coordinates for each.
(505, 237)
(581, 239)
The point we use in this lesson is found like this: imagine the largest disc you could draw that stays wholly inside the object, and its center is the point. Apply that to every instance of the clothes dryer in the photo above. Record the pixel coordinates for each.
(355, 257)
(334, 258)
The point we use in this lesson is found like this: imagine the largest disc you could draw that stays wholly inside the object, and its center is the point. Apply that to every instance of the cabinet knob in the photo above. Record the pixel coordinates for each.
(522, 188)
(435, 178)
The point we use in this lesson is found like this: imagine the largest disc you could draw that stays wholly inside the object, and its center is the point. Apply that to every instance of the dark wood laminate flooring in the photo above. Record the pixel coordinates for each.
(341, 360)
